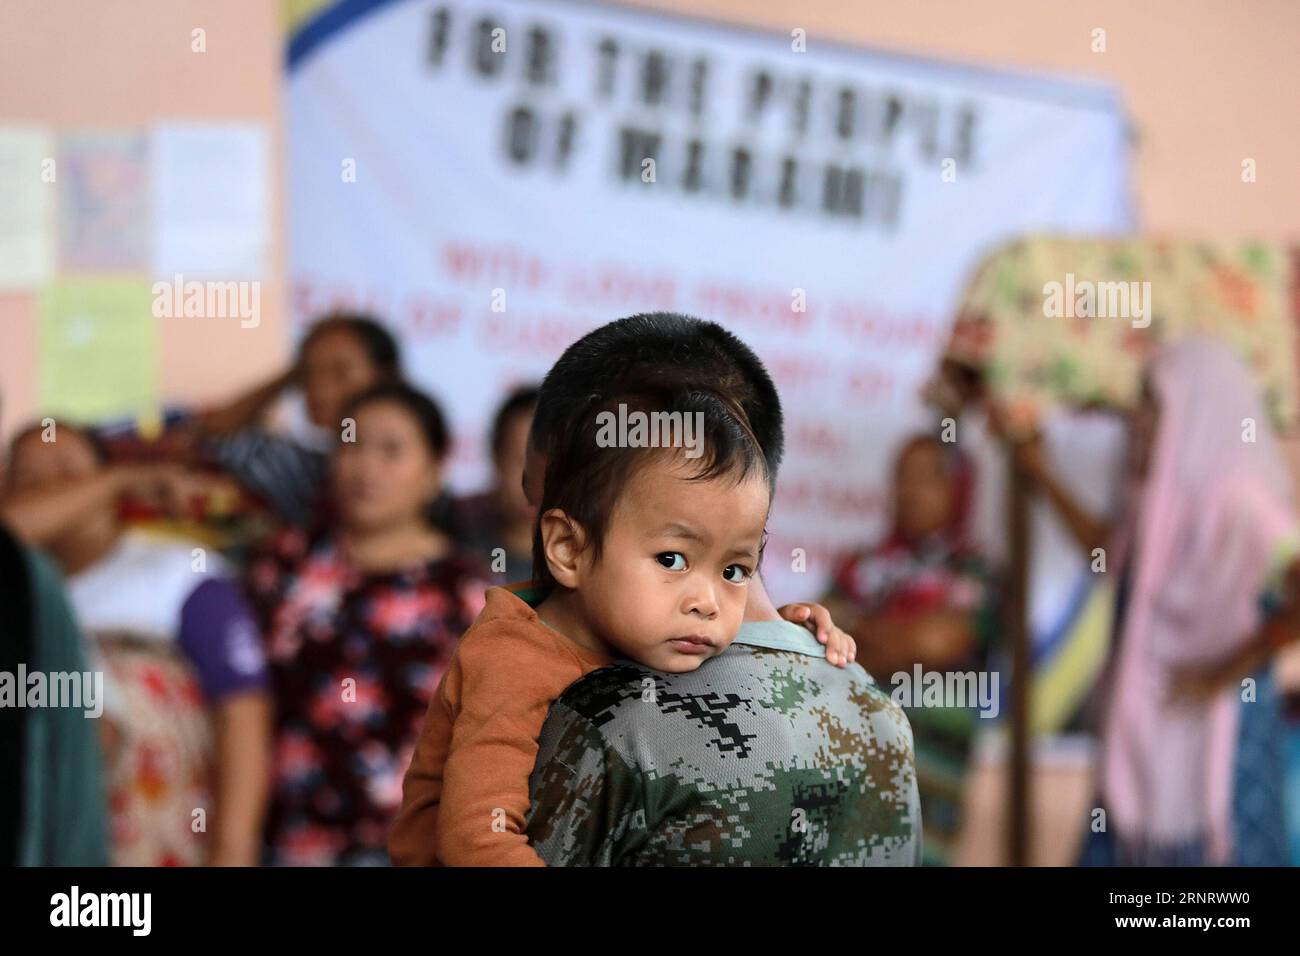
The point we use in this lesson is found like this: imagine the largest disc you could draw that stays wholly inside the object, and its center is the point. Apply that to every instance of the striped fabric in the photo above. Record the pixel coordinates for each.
(279, 470)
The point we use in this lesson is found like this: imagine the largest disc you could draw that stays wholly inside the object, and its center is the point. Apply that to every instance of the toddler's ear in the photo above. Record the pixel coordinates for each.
(563, 541)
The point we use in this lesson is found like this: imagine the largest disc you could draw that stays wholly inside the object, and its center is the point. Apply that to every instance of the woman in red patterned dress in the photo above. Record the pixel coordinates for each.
(360, 622)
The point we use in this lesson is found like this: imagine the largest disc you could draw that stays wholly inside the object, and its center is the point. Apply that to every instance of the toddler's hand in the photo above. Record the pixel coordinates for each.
(841, 649)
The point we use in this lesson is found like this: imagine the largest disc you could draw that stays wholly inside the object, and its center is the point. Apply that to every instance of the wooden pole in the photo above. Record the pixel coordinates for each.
(1019, 813)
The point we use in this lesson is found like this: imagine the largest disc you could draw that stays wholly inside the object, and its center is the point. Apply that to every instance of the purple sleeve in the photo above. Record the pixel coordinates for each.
(221, 640)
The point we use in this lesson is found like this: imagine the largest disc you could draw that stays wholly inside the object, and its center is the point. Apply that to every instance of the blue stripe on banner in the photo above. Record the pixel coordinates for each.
(1045, 647)
(327, 23)
(1079, 92)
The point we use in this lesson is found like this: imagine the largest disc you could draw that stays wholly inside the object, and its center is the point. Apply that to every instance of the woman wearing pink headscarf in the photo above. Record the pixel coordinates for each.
(1208, 531)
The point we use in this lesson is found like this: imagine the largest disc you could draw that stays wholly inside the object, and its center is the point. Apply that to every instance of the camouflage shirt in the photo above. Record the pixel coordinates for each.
(766, 755)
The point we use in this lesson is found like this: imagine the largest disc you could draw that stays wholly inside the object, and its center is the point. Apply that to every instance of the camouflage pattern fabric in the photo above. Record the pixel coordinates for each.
(761, 757)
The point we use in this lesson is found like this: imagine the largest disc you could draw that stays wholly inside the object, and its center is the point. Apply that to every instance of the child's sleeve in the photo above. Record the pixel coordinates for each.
(411, 841)
(510, 677)
(221, 640)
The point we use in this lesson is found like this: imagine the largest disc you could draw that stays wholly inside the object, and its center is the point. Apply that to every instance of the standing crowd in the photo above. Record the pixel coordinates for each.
(311, 655)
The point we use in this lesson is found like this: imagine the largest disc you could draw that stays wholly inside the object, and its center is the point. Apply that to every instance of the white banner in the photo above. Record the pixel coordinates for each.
(496, 178)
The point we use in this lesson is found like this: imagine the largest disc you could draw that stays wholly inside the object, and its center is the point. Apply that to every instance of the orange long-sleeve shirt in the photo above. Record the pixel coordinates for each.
(465, 795)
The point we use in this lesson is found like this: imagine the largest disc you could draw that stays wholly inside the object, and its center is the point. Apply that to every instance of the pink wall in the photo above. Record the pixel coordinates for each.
(128, 63)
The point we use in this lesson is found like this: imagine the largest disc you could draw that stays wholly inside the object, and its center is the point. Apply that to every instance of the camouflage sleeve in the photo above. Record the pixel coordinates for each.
(918, 840)
(582, 795)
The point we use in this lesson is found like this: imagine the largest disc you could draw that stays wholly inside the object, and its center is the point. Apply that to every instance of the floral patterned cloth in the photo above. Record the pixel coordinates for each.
(1247, 293)
(355, 659)
(895, 579)
(158, 774)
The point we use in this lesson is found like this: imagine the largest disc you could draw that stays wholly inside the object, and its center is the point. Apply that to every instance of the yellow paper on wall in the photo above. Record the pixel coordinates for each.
(98, 350)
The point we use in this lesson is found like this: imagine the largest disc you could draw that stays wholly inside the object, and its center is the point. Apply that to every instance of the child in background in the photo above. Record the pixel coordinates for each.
(498, 524)
(644, 552)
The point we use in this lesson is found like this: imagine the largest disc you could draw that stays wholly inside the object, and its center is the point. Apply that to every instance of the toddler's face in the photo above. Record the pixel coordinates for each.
(670, 586)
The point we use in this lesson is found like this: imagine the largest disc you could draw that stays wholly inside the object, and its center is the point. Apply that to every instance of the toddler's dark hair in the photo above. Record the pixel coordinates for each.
(678, 352)
(586, 480)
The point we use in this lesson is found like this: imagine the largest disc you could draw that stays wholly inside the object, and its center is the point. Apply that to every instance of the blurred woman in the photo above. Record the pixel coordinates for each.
(922, 597)
(360, 621)
(341, 357)
(187, 725)
(53, 805)
(498, 524)
(1192, 765)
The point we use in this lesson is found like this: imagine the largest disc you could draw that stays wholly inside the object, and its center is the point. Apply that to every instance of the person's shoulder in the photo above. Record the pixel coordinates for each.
(820, 678)
(507, 629)
(166, 567)
(167, 551)
(508, 655)
(213, 594)
(853, 676)
(769, 658)
(791, 685)
(603, 695)
(597, 695)
(42, 568)
(503, 613)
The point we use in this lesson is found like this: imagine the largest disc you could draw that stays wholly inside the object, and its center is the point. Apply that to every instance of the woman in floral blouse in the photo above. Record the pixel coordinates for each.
(360, 622)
